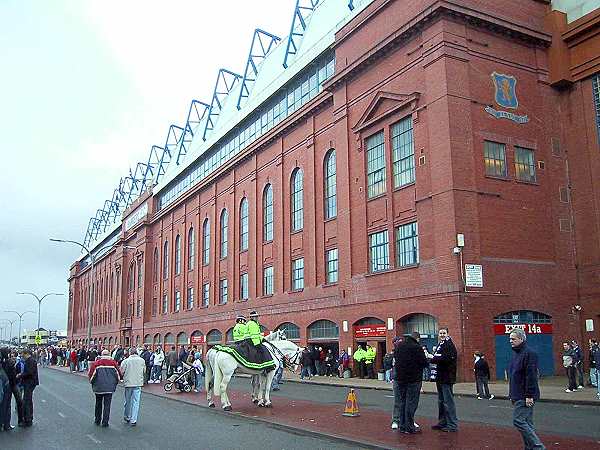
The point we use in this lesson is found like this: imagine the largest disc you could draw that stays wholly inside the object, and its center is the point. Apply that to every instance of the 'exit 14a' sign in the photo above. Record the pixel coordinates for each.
(528, 328)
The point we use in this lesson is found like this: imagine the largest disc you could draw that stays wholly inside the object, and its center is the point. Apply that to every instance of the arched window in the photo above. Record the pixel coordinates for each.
(157, 339)
(324, 330)
(169, 338)
(154, 267)
(291, 330)
(131, 278)
(229, 336)
(191, 249)
(166, 260)
(140, 273)
(177, 255)
(329, 188)
(297, 201)
(268, 213)
(206, 242)
(148, 339)
(244, 224)
(182, 338)
(214, 337)
(522, 316)
(224, 228)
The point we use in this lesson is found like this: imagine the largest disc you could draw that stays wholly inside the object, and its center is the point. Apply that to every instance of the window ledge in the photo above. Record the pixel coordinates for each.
(296, 291)
(325, 285)
(404, 186)
(493, 177)
(393, 269)
(531, 183)
(297, 231)
(267, 296)
(244, 251)
(376, 197)
(331, 219)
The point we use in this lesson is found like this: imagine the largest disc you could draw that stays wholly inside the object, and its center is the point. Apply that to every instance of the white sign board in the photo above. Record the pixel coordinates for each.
(137, 216)
(473, 275)
(589, 324)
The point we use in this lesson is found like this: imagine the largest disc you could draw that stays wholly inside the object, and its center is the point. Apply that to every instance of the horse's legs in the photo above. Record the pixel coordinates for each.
(255, 388)
(226, 404)
(209, 380)
(268, 382)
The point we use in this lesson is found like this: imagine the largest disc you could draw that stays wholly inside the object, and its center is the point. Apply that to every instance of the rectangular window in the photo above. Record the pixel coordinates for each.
(268, 282)
(403, 152)
(331, 257)
(177, 305)
(298, 274)
(223, 291)
(154, 307)
(494, 157)
(190, 298)
(407, 245)
(244, 289)
(524, 164)
(165, 303)
(205, 294)
(138, 308)
(375, 165)
(379, 252)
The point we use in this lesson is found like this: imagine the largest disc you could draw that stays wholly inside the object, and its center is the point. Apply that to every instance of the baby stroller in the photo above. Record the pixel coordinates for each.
(181, 379)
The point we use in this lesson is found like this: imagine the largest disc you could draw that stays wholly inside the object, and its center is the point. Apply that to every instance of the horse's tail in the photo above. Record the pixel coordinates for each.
(218, 377)
(209, 373)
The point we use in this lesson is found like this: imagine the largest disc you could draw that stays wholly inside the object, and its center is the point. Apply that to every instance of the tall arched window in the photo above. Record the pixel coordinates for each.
(191, 249)
(140, 274)
(154, 267)
(224, 229)
(166, 260)
(206, 242)
(177, 255)
(244, 224)
(131, 278)
(329, 191)
(268, 213)
(297, 202)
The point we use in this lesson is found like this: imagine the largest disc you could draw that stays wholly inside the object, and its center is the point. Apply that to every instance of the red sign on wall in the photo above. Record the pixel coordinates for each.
(528, 328)
(198, 339)
(369, 331)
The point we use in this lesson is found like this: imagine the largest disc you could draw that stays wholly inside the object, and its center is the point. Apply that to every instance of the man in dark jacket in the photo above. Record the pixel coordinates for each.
(524, 390)
(8, 364)
(443, 370)
(146, 355)
(29, 380)
(104, 376)
(482, 376)
(409, 361)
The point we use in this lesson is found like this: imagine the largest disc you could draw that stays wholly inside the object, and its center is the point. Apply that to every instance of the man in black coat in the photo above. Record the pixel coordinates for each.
(443, 370)
(409, 362)
(8, 364)
(29, 380)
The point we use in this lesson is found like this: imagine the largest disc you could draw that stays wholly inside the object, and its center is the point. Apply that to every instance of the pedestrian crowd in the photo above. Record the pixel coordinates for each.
(18, 380)
(573, 362)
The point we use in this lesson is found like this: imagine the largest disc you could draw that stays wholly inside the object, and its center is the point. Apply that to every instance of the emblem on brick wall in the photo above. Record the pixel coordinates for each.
(506, 97)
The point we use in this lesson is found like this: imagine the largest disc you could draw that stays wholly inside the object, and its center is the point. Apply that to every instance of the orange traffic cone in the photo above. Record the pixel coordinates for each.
(351, 409)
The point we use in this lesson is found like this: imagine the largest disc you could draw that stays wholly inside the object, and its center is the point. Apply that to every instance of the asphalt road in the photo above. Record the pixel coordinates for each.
(553, 418)
(64, 415)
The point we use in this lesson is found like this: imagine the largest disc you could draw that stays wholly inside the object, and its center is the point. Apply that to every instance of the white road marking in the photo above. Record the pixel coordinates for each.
(502, 407)
(93, 439)
(62, 415)
(43, 401)
(390, 396)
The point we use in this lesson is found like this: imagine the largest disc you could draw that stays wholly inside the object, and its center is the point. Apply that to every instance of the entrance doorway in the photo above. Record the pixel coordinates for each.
(424, 324)
(372, 331)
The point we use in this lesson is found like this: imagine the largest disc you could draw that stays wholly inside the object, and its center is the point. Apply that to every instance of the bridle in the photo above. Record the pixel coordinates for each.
(288, 363)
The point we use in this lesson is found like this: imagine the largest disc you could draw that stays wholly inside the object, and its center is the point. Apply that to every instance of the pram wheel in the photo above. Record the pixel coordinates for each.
(187, 388)
(168, 386)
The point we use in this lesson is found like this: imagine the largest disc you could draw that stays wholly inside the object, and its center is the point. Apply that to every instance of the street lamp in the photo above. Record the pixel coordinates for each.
(20, 320)
(39, 299)
(11, 325)
(92, 258)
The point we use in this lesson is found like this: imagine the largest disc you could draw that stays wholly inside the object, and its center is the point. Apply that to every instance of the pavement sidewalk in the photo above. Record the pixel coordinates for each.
(552, 388)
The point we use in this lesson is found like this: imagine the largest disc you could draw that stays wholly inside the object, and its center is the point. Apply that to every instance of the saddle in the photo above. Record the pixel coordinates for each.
(255, 357)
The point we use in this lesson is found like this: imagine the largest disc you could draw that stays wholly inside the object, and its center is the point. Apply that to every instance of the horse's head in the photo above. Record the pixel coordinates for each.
(277, 335)
(288, 349)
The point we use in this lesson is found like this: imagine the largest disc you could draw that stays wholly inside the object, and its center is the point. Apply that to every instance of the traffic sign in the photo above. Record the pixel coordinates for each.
(38, 339)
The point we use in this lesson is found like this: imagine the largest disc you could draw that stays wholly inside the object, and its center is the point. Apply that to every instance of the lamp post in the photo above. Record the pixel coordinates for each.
(39, 299)
(10, 336)
(20, 320)
(92, 263)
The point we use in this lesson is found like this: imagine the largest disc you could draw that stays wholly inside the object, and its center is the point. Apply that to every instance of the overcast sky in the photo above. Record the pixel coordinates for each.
(86, 88)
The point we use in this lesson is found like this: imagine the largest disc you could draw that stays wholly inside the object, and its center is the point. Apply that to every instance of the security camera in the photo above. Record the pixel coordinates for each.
(456, 250)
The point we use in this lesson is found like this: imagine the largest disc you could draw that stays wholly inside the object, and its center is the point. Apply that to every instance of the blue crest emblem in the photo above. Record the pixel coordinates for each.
(506, 93)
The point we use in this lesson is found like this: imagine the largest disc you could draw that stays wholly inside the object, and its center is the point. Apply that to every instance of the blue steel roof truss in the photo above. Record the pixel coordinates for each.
(226, 81)
(302, 10)
(262, 43)
(195, 115)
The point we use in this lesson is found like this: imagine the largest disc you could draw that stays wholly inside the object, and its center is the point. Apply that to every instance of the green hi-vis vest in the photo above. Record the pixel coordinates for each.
(240, 332)
(359, 354)
(370, 355)
(254, 332)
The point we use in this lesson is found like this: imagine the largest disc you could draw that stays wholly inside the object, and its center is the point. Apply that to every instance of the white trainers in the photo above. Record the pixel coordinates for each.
(491, 396)
(478, 397)
(580, 387)
(394, 425)
(568, 390)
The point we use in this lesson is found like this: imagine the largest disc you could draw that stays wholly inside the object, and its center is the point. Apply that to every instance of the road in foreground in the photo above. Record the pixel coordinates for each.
(64, 419)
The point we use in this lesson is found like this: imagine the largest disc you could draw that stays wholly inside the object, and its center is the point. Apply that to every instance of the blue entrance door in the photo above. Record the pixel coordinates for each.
(541, 343)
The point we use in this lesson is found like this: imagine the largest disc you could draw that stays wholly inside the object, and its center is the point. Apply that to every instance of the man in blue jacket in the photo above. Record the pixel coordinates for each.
(524, 390)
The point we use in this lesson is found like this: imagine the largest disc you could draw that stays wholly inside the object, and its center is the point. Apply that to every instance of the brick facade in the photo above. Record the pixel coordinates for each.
(432, 62)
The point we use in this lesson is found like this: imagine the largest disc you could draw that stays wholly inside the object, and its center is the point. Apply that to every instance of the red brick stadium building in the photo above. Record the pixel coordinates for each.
(417, 165)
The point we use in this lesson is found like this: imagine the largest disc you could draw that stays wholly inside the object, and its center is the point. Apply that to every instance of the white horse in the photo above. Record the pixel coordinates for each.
(220, 367)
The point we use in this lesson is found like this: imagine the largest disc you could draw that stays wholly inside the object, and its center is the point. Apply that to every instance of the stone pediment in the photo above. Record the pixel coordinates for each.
(384, 104)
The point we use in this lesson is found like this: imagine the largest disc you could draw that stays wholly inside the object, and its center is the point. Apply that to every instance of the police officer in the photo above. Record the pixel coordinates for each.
(240, 331)
(370, 360)
(254, 331)
(359, 358)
